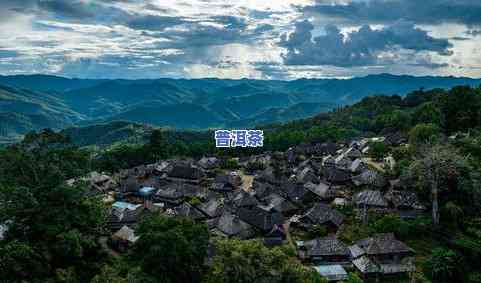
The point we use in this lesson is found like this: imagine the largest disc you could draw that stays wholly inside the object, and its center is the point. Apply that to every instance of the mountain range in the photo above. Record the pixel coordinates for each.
(33, 102)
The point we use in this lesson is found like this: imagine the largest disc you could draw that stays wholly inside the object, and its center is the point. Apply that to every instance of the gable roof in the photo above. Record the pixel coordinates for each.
(370, 198)
(185, 171)
(365, 265)
(126, 234)
(403, 199)
(383, 244)
(187, 210)
(211, 208)
(321, 213)
(231, 225)
(370, 177)
(322, 189)
(336, 175)
(279, 203)
(260, 218)
(327, 246)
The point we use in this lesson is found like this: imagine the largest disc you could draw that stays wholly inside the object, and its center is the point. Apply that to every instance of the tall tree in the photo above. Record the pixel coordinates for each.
(171, 249)
(433, 168)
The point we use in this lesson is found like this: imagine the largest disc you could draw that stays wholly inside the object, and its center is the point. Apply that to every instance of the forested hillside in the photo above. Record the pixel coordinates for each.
(36, 102)
(57, 232)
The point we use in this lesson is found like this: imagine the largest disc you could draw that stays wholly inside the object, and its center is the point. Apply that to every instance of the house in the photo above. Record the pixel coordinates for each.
(189, 211)
(226, 183)
(358, 166)
(267, 176)
(124, 214)
(370, 178)
(123, 238)
(208, 163)
(307, 174)
(231, 225)
(332, 272)
(405, 202)
(262, 219)
(296, 193)
(279, 204)
(175, 193)
(321, 190)
(185, 172)
(383, 254)
(336, 175)
(322, 214)
(275, 237)
(326, 251)
(211, 209)
(370, 198)
(262, 189)
(244, 199)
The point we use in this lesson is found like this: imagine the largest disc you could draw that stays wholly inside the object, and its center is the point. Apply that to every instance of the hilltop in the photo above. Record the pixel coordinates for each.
(34, 102)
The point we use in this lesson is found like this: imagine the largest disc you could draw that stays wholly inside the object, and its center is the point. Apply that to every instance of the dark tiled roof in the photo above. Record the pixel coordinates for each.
(231, 225)
(370, 198)
(328, 246)
(403, 199)
(260, 218)
(187, 210)
(321, 213)
(322, 189)
(383, 244)
(336, 175)
(279, 203)
(370, 177)
(186, 171)
(211, 208)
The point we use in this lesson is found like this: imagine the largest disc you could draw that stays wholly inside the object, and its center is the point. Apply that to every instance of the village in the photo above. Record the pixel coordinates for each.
(296, 198)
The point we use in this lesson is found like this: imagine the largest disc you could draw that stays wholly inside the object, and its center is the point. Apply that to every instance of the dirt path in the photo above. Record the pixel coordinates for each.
(247, 181)
(377, 165)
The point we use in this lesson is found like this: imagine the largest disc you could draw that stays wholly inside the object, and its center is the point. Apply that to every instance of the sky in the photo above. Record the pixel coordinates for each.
(277, 39)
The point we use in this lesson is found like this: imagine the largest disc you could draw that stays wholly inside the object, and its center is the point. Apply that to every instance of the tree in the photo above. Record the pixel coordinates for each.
(57, 226)
(444, 266)
(250, 261)
(460, 109)
(423, 133)
(427, 113)
(171, 249)
(378, 150)
(353, 278)
(432, 169)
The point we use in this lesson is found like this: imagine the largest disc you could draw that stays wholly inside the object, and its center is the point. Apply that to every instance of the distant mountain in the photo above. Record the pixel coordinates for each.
(32, 102)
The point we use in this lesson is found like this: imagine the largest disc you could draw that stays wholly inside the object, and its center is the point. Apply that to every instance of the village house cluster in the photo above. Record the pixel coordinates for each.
(274, 197)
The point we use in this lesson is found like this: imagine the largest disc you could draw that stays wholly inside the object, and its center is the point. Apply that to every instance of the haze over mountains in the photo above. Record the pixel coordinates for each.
(33, 102)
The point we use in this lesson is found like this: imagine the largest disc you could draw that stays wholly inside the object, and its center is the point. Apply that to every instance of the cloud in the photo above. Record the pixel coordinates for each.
(385, 11)
(358, 48)
(152, 22)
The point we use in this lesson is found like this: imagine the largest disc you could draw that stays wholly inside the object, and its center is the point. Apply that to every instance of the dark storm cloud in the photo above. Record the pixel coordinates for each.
(67, 8)
(421, 12)
(361, 48)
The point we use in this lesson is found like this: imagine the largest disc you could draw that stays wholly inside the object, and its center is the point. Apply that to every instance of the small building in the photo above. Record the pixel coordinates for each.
(124, 238)
(370, 178)
(262, 219)
(382, 254)
(370, 199)
(332, 272)
(322, 214)
(328, 250)
(231, 226)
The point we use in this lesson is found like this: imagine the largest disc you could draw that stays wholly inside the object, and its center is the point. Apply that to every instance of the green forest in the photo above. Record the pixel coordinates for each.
(56, 233)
